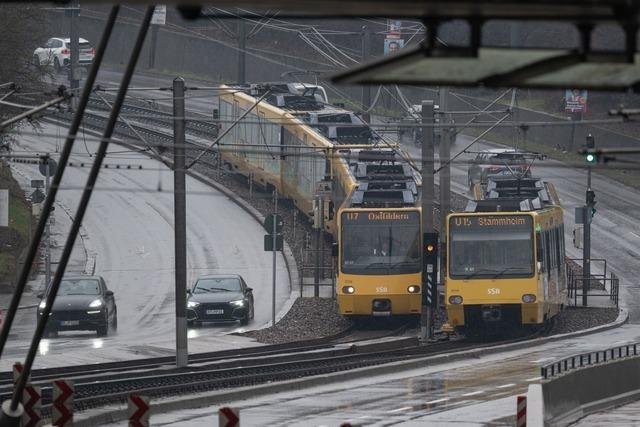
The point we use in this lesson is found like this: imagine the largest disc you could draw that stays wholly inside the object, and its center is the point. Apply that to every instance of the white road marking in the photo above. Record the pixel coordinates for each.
(634, 234)
(534, 379)
(544, 359)
(444, 399)
(404, 408)
(473, 393)
(506, 385)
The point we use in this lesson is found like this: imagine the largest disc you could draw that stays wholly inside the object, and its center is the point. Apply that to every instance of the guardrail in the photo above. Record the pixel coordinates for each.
(588, 359)
(575, 282)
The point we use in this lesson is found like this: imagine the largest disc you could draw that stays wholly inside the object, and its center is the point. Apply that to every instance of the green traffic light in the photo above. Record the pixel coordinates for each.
(591, 158)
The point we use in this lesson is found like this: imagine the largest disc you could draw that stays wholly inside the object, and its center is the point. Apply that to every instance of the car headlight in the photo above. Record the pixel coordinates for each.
(348, 289)
(96, 303)
(43, 304)
(192, 304)
(237, 303)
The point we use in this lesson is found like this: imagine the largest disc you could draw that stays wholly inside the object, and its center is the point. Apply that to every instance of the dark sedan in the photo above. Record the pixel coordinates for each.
(220, 298)
(82, 304)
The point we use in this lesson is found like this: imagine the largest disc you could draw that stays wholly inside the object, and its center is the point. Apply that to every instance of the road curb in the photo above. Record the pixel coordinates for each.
(119, 413)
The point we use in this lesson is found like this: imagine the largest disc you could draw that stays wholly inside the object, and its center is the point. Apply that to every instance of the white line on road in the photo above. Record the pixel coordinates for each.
(473, 393)
(444, 399)
(542, 360)
(506, 385)
(534, 379)
(404, 408)
(634, 234)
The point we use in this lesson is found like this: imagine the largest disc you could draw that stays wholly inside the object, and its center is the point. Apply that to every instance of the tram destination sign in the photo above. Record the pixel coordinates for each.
(502, 222)
(373, 217)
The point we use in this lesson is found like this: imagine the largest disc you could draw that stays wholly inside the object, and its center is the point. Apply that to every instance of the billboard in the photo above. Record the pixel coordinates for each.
(575, 101)
(394, 29)
(392, 46)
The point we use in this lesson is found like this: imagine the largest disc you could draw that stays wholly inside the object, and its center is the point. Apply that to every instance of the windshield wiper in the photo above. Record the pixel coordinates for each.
(485, 270)
(378, 264)
(215, 289)
(404, 263)
(512, 268)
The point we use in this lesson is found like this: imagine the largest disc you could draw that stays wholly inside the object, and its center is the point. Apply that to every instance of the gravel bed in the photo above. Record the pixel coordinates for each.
(308, 318)
(574, 319)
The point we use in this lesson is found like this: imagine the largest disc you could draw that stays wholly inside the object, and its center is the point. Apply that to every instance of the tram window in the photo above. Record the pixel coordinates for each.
(539, 250)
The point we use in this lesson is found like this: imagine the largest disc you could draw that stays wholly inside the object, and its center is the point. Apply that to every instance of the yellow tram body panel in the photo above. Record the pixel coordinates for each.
(534, 298)
(369, 288)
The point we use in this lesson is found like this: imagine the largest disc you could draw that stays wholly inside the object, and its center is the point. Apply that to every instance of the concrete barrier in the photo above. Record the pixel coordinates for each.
(565, 399)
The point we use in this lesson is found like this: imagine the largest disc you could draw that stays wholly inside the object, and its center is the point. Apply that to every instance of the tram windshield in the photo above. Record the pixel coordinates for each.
(491, 246)
(381, 242)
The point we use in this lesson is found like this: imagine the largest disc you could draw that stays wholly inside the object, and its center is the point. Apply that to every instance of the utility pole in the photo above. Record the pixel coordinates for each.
(242, 53)
(74, 67)
(445, 177)
(47, 256)
(180, 227)
(588, 213)
(152, 48)
(428, 195)
(275, 246)
(317, 225)
(366, 89)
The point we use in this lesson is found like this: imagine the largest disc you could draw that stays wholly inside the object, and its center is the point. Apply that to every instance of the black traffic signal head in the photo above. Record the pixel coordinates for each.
(590, 142)
(430, 248)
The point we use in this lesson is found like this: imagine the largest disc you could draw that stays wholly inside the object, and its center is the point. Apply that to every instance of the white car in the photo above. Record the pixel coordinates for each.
(57, 52)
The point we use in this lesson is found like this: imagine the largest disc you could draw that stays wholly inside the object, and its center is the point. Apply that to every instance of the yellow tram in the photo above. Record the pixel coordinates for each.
(505, 258)
(370, 192)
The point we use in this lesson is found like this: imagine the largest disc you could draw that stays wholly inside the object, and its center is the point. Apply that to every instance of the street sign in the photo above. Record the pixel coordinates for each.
(32, 403)
(37, 196)
(62, 414)
(159, 15)
(268, 242)
(138, 407)
(228, 417)
(268, 223)
(53, 167)
(37, 183)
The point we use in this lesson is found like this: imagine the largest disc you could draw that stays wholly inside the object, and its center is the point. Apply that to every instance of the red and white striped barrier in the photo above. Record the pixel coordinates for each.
(17, 371)
(62, 403)
(138, 410)
(521, 415)
(32, 402)
(228, 417)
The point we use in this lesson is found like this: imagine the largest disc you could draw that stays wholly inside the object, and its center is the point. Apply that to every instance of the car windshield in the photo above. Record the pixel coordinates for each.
(79, 287)
(221, 284)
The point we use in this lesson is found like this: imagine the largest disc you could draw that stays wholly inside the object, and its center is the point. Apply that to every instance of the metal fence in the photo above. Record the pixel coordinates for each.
(588, 359)
(599, 284)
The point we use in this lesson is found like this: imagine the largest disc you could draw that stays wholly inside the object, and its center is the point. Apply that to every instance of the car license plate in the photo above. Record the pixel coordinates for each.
(217, 311)
(70, 322)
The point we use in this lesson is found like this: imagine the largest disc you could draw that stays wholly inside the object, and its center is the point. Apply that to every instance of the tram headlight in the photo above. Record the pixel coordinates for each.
(528, 298)
(455, 299)
(348, 289)
(413, 289)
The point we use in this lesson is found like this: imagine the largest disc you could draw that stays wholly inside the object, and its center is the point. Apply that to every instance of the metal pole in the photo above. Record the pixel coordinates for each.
(586, 248)
(366, 89)
(275, 241)
(154, 43)
(316, 271)
(74, 66)
(82, 208)
(47, 259)
(51, 195)
(428, 195)
(445, 180)
(180, 220)
(242, 55)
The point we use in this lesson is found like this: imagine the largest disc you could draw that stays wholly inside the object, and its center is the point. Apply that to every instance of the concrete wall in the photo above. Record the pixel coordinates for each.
(584, 391)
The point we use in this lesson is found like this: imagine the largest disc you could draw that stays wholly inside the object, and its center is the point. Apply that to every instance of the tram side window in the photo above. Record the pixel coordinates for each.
(539, 248)
(547, 253)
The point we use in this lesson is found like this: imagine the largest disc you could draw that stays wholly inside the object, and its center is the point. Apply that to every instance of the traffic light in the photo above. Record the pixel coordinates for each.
(430, 269)
(590, 155)
(591, 201)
